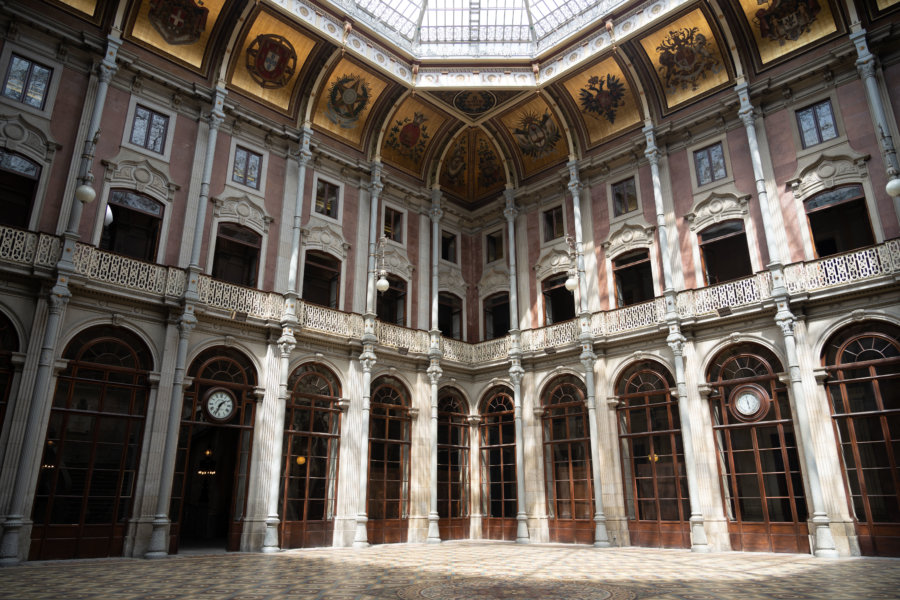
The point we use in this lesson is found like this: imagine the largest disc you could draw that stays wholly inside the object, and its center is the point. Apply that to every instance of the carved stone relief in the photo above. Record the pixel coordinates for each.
(716, 208)
(242, 210)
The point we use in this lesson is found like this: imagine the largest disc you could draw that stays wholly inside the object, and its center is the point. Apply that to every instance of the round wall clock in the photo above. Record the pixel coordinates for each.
(749, 402)
(220, 404)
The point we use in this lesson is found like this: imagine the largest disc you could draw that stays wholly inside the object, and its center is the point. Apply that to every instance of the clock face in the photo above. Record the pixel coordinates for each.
(220, 405)
(747, 403)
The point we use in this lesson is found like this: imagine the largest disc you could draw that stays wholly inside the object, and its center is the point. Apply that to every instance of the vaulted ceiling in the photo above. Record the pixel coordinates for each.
(553, 80)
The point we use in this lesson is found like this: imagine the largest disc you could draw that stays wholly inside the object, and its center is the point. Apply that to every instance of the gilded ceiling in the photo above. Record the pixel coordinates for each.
(472, 126)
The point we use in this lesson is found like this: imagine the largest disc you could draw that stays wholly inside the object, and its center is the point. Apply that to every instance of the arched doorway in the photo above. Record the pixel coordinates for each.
(389, 447)
(9, 343)
(656, 492)
(212, 466)
(863, 365)
(92, 447)
(312, 433)
(453, 465)
(498, 464)
(758, 459)
(567, 461)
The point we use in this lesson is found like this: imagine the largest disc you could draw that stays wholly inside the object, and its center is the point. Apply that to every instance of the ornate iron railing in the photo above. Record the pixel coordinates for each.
(394, 336)
(552, 336)
(240, 299)
(732, 294)
(842, 269)
(329, 320)
(121, 271)
(634, 317)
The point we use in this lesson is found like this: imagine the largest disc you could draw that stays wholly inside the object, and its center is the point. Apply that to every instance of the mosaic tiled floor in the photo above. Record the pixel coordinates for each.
(460, 571)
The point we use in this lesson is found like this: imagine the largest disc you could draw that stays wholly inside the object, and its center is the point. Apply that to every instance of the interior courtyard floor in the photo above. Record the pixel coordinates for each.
(468, 570)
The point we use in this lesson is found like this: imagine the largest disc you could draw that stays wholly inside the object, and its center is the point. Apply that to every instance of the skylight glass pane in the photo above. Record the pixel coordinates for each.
(550, 14)
(400, 15)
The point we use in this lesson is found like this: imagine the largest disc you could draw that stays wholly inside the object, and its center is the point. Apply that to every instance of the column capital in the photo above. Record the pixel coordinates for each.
(511, 212)
(651, 151)
(304, 154)
(436, 214)
(516, 373)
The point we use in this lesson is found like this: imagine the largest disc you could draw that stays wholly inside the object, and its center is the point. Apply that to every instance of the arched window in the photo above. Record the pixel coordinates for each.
(559, 303)
(724, 250)
(839, 220)
(237, 255)
(9, 343)
(18, 185)
(92, 448)
(389, 445)
(656, 493)
(633, 277)
(131, 225)
(453, 465)
(212, 468)
(498, 464)
(321, 279)
(863, 365)
(496, 315)
(390, 306)
(312, 431)
(450, 315)
(567, 461)
(758, 458)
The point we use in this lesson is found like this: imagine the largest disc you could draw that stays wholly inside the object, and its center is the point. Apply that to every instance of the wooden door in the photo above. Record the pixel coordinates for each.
(497, 432)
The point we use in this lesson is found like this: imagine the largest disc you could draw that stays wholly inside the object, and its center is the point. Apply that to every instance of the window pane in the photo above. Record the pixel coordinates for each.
(825, 119)
(37, 86)
(717, 158)
(139, 127)
(701, 160)
(624, 197)
(807, 127)
(15, 78)
(158, 126)
(240, 165)
(253, 171)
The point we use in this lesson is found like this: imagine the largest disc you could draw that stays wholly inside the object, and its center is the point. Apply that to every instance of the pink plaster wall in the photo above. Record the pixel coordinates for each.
(181, 168)
(418, 281)
(600, 218)
(64, 127)
(274, 201)
(351, 226)
(532, 232)
(682, 200)
(472, 265)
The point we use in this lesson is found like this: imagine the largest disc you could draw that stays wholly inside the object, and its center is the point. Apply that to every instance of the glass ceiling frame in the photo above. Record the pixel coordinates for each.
(508, 29)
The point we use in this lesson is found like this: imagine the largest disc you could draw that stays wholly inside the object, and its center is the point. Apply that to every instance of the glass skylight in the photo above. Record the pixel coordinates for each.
(476, 28)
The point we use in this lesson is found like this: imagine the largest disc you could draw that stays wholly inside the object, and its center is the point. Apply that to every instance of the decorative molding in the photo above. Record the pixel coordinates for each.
(494, 279)
(397, 262)
(142, 176)
(828, 171)
(451, 279)
(18, 135)
(717, 207)
(243, 210)
(628, 236)
(325, 236)
(554, 259)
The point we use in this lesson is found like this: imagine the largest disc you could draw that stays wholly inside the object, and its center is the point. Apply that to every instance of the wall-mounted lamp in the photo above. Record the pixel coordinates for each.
(382, 284)
(85, 193)
(893, 186)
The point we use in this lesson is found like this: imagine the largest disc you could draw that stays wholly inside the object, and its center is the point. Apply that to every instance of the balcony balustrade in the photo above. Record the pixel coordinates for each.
(877, 264)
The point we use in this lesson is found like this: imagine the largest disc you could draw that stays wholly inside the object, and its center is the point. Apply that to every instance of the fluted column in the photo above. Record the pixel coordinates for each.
(159, 546)
(675, 339)
(367, 360)
(59, 299)
(587, 358)
(286, 344)
(865, 65)
(434, 367)
(823, 539)
(475, 515)
(516, 372)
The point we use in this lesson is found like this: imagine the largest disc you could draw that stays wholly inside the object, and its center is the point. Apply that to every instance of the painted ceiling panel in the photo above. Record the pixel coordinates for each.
(781, 26)
(685, 58)
(345, 101)
(270, 60)
(87, 7)
(410, 134)
(536, 135)
(472, 171)
(179, 28)
(605, 99)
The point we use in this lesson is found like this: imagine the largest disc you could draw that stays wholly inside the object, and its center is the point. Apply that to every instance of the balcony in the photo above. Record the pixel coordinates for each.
(37, 254)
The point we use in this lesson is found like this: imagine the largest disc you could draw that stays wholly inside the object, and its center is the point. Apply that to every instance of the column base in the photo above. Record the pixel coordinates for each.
(699, 543)
(158, 546)
(822, 538)
(9, 543)
(270, 540)
(601, 535)
(361, 537)
(434, 532)
(522, 529)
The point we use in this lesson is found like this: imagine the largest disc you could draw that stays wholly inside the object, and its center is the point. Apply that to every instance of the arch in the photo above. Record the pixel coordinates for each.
(643, 375)
(627, 362)
(759, 462)
(92, 446)
(736, 340)
(309, 476)
(233, 345)
(497, 464)
(862, 362)
(453, 462)
(874, 318)
(35, 143)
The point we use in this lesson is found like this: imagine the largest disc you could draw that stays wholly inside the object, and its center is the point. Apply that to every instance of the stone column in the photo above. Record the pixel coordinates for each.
(516, 372)
(823, 539)
(475, 514)
(675, 340)
(587, 358)
(159, 545)
(286, 345)
(434, 367)
(367, 360)
(865, 65)
(59, 298)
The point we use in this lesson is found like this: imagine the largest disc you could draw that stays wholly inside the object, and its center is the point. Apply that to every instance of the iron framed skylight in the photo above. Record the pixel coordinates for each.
(476, 28)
